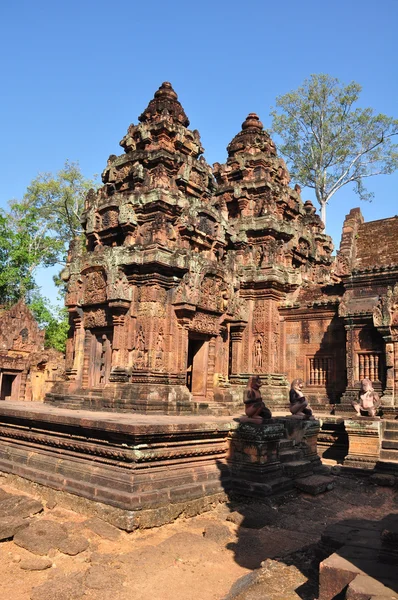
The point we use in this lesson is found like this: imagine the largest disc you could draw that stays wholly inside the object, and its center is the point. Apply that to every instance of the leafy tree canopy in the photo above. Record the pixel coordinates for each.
(36, 231)
(329, 142)
(53, 319)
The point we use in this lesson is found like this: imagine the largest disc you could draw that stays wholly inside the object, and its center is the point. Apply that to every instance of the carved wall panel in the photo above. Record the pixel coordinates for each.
(110, 218)
(94, 287)
(95, 318)
(260, 314)
(211, 293)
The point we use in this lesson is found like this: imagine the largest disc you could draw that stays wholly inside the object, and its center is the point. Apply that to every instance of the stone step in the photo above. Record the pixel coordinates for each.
(315, 484)
(389, 455)
(390, 434)
(290, 455)
(389, 444)
(280, 484)
(285, 444)
(387, 466)
(297, 468)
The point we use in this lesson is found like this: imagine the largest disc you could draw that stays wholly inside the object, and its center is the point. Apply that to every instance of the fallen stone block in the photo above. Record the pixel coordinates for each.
(335, 574)
(273, 580)
(35, 563)
(40, 536)
(19, 506)
(67, 587)
(10, 525)
(383, 479)
(364, 587)
(315, 484)
(73, 545)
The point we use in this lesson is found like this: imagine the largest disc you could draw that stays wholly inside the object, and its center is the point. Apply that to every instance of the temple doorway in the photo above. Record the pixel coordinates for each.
(101, 358)
(8, 387)
(198, 350)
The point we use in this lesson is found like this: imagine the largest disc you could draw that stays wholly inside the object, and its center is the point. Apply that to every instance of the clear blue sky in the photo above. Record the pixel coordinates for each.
(75, 74)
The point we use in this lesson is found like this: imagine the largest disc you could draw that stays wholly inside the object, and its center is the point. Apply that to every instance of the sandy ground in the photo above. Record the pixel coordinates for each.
(198, 558)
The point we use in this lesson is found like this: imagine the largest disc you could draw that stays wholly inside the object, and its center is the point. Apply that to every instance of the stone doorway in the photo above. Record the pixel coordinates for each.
(9, 386)
(198, 351)
(101, 358)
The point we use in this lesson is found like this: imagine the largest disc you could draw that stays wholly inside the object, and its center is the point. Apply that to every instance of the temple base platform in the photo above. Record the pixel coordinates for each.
(138, 471)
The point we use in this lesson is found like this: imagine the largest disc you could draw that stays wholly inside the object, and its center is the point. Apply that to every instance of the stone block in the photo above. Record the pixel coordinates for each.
(315, 484)
(364, 587)
(335, 574)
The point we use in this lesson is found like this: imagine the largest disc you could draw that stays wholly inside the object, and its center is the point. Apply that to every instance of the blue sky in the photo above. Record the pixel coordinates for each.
(75, 74)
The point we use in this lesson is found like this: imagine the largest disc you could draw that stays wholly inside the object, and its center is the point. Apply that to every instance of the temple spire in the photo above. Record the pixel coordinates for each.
(165, 101)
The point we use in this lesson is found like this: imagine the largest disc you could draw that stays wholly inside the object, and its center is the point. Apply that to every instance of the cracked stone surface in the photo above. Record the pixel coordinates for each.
(41, 536)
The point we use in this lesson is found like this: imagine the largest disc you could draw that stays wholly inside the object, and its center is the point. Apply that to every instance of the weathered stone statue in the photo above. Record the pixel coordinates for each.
(298, 403)
(368, 400)
(254, 405)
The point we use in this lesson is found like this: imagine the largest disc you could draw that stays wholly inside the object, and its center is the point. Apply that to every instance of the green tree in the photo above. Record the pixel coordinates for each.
(23, 247)
(53, 319)
(36, 230)
(56, 203)
(329, 142)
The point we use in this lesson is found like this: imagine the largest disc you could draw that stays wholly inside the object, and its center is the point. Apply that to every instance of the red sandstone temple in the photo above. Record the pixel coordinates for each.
(194, 278)
(27, 370)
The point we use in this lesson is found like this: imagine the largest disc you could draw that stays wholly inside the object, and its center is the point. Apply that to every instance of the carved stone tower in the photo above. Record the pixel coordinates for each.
(178, 296)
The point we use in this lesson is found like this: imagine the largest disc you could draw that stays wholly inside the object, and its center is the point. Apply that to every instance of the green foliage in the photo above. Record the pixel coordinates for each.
(16, 275)
(56, 203)
(329, 142)
(53, 319)
(36, 230)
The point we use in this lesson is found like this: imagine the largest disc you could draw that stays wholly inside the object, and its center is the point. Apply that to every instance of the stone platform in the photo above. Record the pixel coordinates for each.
(143, 471)
(146, 470)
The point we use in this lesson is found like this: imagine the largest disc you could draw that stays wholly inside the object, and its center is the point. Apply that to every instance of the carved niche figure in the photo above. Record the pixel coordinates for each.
(258, 255)
(159, 350)
(160, 177)
(119, 288)
(257, 355)
(139, 352)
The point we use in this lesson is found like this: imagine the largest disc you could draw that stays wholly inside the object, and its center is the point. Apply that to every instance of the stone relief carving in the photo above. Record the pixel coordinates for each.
(94, 287)
(139, 354)
(257, 355)
(95, 318)
(205, 323)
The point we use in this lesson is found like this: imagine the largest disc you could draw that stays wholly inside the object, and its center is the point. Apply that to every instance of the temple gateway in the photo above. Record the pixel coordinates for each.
(194, 278)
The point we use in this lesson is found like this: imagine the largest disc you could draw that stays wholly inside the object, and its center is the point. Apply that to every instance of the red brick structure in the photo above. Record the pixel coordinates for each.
(27, 371)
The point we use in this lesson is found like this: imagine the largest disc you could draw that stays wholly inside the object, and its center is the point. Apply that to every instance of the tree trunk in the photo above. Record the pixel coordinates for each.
(323, 212)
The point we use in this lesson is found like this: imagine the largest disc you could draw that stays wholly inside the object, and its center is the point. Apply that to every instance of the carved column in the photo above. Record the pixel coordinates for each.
(119, 340)
(350, 355)
(237, 330)
(87, 356)
(211, 363)
(77, 367)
